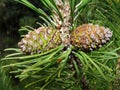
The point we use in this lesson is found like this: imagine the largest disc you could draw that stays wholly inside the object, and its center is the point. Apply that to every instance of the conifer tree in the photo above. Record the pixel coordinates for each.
(76, 48)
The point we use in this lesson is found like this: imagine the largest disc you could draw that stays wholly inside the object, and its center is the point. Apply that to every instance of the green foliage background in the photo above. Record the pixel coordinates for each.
(12, 16)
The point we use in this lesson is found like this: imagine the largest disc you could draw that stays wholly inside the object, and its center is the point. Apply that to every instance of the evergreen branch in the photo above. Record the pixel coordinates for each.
(83, 60)
(58, 71)
(26, 62)
(64, 62)
(102, 65)
(94, 64)
(53, 66)
(54, 60)
(72, 7)
(30, 56)
(38, 10)
(57, 10)
(37, 62)
(26, 29)
(5, 81)
(48, 59)
(81, 4)
(77, 70)
(46, 21)
(51, 5)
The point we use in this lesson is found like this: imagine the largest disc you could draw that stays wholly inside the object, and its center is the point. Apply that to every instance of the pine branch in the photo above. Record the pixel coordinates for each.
(67, 66)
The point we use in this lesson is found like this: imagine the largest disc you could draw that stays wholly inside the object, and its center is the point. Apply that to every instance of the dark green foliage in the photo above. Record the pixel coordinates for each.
(12, 15)
(5, 81)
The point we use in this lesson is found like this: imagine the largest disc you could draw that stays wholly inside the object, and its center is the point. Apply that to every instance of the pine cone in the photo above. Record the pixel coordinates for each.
(89, 36)
(40, 40)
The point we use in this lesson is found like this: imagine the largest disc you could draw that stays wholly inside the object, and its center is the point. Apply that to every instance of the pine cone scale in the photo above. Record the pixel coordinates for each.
(40, 40)
(89, 36)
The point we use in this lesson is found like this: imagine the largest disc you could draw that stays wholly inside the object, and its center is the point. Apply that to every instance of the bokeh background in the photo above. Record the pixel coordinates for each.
(14, 15)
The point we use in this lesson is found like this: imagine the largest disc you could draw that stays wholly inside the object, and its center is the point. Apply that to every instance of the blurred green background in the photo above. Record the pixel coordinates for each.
(13, 15)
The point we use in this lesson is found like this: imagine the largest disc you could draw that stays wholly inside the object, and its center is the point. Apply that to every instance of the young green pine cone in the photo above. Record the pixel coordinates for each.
(89, 37)
(40, 40)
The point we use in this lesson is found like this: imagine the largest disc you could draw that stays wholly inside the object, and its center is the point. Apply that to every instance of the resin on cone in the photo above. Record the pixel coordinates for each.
(40, 40)
(89, 36)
